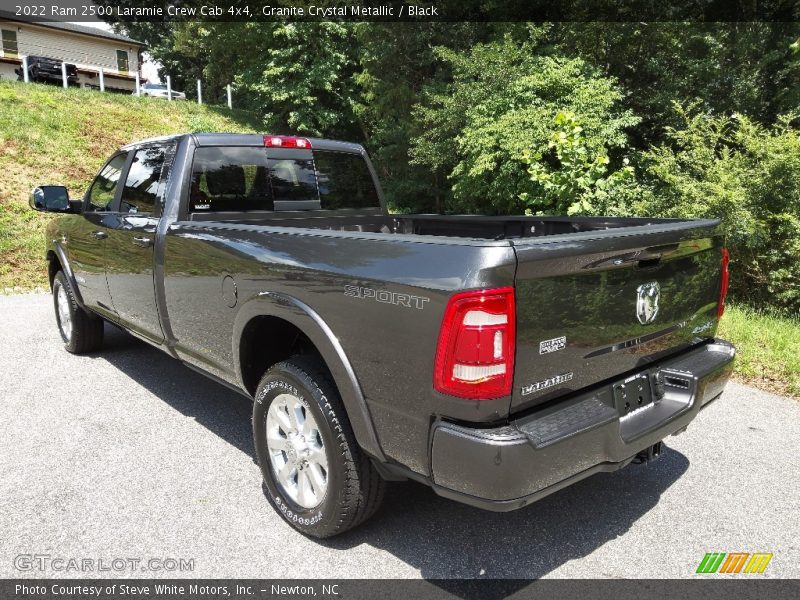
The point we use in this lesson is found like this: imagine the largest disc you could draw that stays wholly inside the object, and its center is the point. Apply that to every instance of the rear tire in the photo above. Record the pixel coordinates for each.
(317, 477)
(80, 330)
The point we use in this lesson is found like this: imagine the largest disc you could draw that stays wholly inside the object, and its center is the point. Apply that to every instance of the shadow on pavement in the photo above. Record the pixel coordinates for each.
(441, 538)
(446, 539)
(217, 408)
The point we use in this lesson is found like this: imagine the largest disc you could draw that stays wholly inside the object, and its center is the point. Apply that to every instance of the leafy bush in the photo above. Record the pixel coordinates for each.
(571, 179)
(747, 175)
(499, 106)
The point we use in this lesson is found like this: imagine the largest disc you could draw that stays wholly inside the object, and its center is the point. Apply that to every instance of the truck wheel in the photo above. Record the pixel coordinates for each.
(81, 331)
(317, 477)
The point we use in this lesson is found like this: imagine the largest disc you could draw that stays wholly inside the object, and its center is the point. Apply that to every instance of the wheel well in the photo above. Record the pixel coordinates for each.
(266, 341)
(53, 266)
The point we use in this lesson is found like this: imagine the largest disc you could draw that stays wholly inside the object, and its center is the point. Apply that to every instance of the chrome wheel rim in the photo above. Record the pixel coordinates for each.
(64, 316)
(296, 451)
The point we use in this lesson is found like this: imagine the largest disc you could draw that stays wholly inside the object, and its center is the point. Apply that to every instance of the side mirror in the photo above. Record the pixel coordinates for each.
(51, 198)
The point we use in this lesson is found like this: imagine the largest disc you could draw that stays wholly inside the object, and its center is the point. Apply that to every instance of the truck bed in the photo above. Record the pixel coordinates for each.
(456, 226)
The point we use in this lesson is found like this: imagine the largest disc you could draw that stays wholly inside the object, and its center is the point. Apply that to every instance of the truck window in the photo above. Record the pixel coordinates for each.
(292, 179)
(229, 178)
(140, 192)
(344, 181)
(104, 187)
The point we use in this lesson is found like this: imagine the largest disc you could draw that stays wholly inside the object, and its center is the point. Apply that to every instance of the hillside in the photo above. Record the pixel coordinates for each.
(51, 135)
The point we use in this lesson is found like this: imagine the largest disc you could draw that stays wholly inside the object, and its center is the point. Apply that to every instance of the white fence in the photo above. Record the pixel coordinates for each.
(138, 90)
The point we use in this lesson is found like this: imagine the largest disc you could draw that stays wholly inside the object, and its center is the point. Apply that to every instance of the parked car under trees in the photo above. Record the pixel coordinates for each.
(159, 90)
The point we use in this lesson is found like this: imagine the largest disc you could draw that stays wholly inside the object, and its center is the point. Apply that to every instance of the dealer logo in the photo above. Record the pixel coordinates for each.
(734, 562)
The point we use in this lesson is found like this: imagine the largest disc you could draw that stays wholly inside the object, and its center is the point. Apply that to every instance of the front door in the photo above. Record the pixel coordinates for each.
(131, 242)
(87, 237)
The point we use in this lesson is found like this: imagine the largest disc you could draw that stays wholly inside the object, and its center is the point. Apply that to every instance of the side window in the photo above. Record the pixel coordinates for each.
(140, 192)
(104, 187)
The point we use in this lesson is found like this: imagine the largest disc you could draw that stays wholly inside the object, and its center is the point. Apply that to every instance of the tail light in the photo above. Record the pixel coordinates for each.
(475, 355)
(723, 290)
(286, 141)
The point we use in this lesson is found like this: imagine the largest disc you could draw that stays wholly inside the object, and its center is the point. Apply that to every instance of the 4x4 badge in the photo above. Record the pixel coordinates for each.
(554, 345)
(647, 302)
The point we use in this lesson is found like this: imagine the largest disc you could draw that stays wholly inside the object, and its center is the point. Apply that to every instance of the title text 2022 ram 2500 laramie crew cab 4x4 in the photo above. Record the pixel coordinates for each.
(496, 359)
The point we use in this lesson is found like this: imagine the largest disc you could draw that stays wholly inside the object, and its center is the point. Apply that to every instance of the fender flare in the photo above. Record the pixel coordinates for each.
(302, 316)
(61, 256)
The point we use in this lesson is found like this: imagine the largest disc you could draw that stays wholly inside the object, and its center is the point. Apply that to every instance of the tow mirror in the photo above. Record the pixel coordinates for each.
(51, 198)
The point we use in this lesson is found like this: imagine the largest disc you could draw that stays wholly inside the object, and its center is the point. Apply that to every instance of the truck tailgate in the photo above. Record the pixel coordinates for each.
(593, 306)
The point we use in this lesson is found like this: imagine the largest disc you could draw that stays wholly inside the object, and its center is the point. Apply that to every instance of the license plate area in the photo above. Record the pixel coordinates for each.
(633, 394)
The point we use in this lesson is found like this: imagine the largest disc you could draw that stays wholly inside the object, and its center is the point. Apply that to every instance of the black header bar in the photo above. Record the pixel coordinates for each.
(401, 10)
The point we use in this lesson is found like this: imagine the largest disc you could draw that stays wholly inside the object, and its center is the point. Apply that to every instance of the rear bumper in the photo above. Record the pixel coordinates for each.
(508, 467)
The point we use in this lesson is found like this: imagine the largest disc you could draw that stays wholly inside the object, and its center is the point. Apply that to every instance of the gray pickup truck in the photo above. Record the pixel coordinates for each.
(496, 359)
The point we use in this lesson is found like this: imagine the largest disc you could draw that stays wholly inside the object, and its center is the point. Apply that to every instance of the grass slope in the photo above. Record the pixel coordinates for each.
(51, 135)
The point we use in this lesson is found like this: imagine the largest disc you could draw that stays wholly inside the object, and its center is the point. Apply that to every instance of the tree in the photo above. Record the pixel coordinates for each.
(747, 68)
(749, 176)
(572, 179)
(300, 77)
(397, 61)
(499, 109)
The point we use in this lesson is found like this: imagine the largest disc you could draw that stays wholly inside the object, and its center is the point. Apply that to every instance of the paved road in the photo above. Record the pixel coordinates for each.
(129, 454)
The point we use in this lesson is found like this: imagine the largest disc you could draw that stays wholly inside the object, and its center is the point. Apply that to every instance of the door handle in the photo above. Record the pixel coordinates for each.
(144, 242)
(99, 235)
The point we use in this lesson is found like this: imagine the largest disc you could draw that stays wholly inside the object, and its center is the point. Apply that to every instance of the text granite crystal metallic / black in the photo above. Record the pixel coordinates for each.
(496, 359)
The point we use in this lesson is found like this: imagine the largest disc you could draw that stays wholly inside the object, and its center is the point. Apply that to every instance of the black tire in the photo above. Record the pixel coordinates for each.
(86, 331)
(354, 488)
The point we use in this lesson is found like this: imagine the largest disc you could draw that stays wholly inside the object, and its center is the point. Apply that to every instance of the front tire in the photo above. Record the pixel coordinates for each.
(80, 330)
(317, 478)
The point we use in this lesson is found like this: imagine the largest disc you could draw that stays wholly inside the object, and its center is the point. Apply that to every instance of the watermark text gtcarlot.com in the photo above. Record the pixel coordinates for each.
(118, 564)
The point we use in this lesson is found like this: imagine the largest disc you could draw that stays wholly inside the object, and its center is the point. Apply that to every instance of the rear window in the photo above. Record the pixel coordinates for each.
(237, 179)
(344, 181)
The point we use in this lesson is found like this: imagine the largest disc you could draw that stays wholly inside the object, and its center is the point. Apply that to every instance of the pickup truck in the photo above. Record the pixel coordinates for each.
(495, 359)
(48, 70)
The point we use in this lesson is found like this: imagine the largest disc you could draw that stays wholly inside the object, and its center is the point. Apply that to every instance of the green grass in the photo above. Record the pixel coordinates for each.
(769, 349)
(51, 135)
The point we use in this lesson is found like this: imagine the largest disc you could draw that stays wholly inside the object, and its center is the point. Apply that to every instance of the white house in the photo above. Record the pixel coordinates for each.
(89, 49)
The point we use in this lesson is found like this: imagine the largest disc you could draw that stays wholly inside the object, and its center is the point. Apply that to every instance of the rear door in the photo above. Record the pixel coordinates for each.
(88, 236)
(592, 306)
(130, 246)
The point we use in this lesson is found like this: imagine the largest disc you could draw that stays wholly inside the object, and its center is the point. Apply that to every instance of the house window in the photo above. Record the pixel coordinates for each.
(122, 61)
(10, 42)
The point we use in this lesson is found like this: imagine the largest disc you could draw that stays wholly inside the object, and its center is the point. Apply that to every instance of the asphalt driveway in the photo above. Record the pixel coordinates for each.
(128, 454)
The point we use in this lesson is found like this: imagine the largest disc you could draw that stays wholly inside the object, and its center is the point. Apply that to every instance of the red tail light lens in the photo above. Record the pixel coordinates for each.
(723, 290)
(286, 141)
(475, 355)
